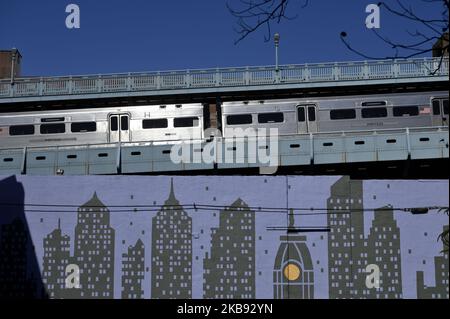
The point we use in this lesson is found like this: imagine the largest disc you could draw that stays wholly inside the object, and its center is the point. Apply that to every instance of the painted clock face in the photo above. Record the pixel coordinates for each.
(292, 272)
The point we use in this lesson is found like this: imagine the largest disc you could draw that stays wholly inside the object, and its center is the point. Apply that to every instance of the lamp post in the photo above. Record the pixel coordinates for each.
(276, 39)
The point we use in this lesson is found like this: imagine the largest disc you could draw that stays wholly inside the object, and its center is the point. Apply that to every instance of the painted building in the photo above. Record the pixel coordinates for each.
(133, 271)
(347, 254)
(229, 270)
(383, 250)
(440, 289)
(94, 250)
(293, 274)
(172, 251)
(56, 259)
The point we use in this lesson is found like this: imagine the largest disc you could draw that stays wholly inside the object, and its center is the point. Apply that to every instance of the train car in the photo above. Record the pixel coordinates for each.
(155, 123)
(336, 114)
(179, 122)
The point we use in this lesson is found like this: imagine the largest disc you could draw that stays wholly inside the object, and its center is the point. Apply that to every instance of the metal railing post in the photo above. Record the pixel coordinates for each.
(247, 76)
(98, 83)
(395, 68)
(40, 86)
(158, 81)
(187, 79)
(70, 85)
(336, 72)
(217, 78)
(306, 72)
(365, 70)
(424, 68)
(128, 84)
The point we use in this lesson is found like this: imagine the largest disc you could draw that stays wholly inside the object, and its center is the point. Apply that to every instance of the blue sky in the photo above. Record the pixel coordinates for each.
(143, 35)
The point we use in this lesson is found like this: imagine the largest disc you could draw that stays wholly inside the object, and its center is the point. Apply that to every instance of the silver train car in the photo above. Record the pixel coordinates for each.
(336, 114)
(168, 123)
(102, 125)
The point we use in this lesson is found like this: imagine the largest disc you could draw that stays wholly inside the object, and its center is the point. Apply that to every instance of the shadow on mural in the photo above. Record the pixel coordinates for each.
(20, 276)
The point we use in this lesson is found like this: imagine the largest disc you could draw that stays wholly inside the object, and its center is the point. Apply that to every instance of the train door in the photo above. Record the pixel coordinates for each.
(307, 118)
(440, 112)
(119, 127)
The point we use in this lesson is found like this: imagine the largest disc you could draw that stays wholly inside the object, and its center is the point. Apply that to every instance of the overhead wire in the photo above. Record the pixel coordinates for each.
(304, 211)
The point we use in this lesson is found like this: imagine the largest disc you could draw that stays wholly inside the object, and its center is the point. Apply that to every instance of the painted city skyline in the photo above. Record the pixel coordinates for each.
(210, 247)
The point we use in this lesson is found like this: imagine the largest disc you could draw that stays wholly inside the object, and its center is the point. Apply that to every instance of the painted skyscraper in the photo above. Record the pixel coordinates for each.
(293, 273)
(350, 252)
(94, 250)
(346, 243)
(55, 260)
(440, 289)
(171, 251)
(133, 271)
(229, 272)
(383, 250)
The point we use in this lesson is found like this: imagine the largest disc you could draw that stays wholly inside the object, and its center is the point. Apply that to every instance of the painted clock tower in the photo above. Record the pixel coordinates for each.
(293, 274)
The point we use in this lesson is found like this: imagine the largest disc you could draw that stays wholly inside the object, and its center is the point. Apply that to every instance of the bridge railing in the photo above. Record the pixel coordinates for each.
(226, 77)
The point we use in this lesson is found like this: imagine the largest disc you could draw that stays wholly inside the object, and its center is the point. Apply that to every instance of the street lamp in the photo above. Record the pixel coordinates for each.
(276, 39)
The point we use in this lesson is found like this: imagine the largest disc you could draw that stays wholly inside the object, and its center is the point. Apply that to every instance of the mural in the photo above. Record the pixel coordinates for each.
(221, 237)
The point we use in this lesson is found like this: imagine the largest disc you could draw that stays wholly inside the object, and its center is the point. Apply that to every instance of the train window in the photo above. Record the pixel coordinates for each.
(445, 104)
(374, 103)
(185, 122)
(124, 122)
(406, 110)
(114, 123)
(154, 123)
(53, 128)
(436, 107)
(311, 113)
(82, 127)
(343, 114)
(239, 119)
(301, 114)
(271, 117)
(21, 130)
(374, 112)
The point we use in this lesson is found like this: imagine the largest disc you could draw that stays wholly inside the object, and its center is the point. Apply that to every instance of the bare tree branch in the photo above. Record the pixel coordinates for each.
(429, 29)
(252, 15)
(444, 236)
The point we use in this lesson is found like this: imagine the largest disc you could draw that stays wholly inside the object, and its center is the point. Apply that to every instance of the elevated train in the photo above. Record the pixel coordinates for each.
(164, 123)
